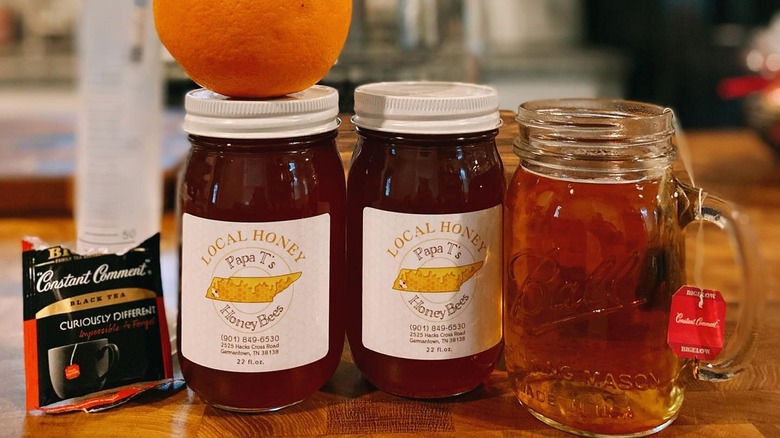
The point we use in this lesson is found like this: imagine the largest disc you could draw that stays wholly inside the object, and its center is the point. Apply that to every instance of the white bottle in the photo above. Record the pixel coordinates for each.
(118, 174)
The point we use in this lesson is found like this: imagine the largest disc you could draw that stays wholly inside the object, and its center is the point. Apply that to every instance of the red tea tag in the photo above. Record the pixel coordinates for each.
(72, 371)
(697, 323)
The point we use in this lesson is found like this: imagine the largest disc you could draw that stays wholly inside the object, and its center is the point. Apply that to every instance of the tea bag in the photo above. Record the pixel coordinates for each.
(695, 341)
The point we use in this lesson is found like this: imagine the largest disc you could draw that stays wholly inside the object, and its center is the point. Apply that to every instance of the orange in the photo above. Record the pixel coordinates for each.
(254, 48)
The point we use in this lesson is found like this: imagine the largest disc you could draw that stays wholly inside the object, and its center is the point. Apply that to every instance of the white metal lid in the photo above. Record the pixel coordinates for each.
(438, 108)
(309, 112)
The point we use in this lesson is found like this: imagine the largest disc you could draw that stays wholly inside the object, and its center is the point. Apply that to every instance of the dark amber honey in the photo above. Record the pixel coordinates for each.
(267, 181)
(418, 174)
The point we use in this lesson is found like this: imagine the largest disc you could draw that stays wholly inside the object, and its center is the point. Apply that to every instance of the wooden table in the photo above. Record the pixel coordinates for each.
(733, 164)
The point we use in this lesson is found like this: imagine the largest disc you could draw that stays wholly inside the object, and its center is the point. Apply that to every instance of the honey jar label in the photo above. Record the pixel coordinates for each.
(431, 283)
(255, 296)
(697, 323)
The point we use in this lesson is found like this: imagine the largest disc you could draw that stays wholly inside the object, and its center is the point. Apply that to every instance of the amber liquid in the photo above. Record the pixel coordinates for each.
(266, 181)
(418, 175)
(591, 270)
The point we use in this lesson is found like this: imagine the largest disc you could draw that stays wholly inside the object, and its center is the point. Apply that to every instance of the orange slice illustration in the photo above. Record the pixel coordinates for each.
(250, 289)
(432, 280)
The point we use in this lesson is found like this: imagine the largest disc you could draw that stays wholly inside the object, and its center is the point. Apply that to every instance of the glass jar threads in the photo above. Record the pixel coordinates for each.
(261, 201)
(425, 190)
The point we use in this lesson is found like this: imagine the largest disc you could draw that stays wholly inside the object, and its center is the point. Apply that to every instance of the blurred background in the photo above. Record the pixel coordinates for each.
(707, 59)
(679, 53)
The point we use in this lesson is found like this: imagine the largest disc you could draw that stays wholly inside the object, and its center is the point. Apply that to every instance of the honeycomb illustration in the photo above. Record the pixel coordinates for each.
(250, 289)
(432, 280)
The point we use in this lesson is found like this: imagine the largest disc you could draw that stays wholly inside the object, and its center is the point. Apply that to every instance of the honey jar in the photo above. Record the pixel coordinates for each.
(261, 205)
(425, 189)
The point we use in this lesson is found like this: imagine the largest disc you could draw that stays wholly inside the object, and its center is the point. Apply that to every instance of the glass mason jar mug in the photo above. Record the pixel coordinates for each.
(594, 223)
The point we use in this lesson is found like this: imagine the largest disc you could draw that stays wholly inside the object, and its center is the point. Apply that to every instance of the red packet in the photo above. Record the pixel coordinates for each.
(697, 323)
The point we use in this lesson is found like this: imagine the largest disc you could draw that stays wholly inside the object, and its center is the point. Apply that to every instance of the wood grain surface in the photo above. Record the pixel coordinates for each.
(733, 164)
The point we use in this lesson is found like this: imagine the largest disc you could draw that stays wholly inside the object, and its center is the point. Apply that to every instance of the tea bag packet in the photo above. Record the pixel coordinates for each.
(95, 332)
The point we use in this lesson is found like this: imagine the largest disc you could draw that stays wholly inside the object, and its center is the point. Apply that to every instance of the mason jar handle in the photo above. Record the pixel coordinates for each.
(740, 347)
